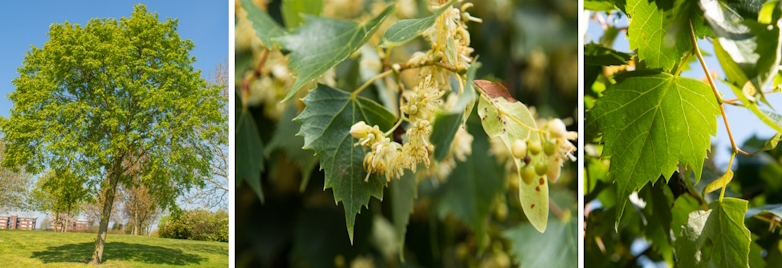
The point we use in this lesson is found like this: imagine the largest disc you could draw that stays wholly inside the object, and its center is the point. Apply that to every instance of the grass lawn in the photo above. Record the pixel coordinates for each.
(40, 248)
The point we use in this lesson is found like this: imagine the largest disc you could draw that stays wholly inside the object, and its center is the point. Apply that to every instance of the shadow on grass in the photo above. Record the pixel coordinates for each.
(118, 251)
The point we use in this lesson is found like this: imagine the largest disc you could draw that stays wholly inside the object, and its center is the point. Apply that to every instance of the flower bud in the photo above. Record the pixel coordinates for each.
(438, 56)
(557, 128)
(461, 69)
(359, 130)
(554, 166)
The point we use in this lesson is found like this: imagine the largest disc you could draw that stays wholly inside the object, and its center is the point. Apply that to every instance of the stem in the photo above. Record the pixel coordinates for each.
(681, 65)
(713, 88)
(370, 81)
(256, 73)
(733, 101)
(730, 164)
(398, 123)
(461, 84)
(439, 33)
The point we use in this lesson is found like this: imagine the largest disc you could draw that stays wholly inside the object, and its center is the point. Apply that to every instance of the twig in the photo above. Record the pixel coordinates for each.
(713, 87)
(256, 73)
(370, 81)
(733, 101)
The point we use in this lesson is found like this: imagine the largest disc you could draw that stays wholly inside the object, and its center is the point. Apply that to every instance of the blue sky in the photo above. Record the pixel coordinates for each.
(743, 123)
(25, 23)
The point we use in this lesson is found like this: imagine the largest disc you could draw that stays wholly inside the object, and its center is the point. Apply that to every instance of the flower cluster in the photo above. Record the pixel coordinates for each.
(418, 106)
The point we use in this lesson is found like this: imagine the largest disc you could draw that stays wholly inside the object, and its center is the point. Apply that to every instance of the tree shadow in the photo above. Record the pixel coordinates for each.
(118, 251)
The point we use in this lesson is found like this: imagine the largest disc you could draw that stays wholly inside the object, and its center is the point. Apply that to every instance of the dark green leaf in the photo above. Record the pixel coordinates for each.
(265, 27)
(249, 156)
(322, 43)
(325, 125)
(285, 139)
(403, 192)
(557, 247)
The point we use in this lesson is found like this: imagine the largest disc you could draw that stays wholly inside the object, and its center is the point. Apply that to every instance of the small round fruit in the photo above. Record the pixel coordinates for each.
(519, 149)
(541, 168)
(527, 159)
(528, 174)
(549, 148)
(534, 147)
(461, 69)
(557, 128)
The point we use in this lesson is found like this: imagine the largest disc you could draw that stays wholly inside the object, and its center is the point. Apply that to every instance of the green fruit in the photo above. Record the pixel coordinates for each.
(528, 174)
(541, 168)
(519, 149)
(549, 148)
(534, 147)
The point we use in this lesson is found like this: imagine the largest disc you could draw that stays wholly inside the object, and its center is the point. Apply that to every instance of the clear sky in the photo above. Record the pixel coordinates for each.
(743, 123)
(26, 23)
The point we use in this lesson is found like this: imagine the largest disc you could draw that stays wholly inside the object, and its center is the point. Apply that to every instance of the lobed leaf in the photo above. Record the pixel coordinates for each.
(660, 43)
(325, 125)
(322, 43)
(718, 233)
(651, 122)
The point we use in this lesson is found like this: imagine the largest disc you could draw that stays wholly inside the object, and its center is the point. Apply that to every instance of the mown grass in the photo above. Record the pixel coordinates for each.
(41, 248)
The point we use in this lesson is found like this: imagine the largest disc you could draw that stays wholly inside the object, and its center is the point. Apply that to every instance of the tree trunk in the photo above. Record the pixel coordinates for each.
(68, 218)
(100, 242)
(56, 220)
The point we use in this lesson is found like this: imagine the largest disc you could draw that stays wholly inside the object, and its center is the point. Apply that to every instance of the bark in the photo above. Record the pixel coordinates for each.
(100, 242)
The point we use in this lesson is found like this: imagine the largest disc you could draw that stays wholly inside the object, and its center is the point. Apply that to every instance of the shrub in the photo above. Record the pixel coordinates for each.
(196, 224)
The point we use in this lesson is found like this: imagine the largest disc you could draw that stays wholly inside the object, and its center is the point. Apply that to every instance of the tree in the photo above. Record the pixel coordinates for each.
(139, 206)
(15, 186)
(59, 192)
(114, 91)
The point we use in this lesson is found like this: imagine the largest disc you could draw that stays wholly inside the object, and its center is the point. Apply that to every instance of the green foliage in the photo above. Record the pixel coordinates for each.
(560, 239)
(718, 233)
(249, 157)
(404, 31)
(650, 123)
(265, 27)
(336, 40)
(292, 11)
(326, 126)
(650, 128)
(198, 224)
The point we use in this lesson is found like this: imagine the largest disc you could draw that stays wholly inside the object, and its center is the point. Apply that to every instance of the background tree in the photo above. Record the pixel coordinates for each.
(15, 184)
(111, 91)
(139, 207)
(61, 194)
(214, 192)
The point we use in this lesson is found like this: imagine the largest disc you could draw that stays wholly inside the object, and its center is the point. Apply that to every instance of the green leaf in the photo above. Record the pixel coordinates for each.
(722, 229)
(265, 27)
(771, 119)
(680, 212)
(650, 123)
(403, 192)
(292, 10)
(557, 247)
(660, 43)
(445, 127)
(508, 126)
(285, 139)
(595, 54)
(718, 183)
(473, 185)
(249, 156)
(403, 31)
(322, 43)
(325, 125)
(447, 124)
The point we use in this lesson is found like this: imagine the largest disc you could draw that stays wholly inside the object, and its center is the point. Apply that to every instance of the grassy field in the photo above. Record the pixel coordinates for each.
(39, 248)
